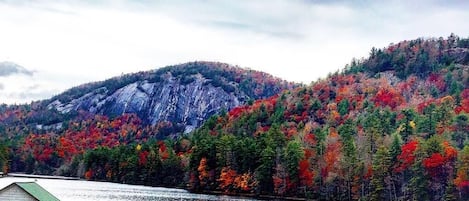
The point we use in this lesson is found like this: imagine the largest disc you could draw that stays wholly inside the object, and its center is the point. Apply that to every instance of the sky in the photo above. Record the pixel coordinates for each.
(48, 46)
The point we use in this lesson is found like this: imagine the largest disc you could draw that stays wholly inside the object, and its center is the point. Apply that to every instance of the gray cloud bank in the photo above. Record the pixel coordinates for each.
(9, 68)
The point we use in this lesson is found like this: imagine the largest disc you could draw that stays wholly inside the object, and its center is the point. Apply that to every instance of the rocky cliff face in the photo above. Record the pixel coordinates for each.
(184, 95)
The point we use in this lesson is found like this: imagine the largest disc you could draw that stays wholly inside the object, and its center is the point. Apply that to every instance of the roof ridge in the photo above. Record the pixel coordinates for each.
(36, 190)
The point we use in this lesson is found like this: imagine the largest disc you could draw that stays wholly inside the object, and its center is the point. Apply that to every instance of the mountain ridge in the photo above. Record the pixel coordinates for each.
(184, 94)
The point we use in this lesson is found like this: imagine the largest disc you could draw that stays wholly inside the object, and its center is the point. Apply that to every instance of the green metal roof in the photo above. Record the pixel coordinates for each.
(37, 191)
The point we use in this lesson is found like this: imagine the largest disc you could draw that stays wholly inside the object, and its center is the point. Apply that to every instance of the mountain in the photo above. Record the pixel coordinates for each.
(184, 94)
(131, 108)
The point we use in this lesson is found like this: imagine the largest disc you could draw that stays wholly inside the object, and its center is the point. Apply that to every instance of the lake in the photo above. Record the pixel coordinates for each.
(75, 190)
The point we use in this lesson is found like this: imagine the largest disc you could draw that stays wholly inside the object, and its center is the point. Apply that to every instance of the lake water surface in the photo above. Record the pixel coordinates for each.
(77, 190)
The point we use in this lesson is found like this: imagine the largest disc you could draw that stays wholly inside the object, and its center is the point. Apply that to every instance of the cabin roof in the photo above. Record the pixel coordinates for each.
(36, 191)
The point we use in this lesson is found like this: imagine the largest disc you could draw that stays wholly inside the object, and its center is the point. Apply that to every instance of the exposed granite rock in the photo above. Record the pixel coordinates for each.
(182, 100)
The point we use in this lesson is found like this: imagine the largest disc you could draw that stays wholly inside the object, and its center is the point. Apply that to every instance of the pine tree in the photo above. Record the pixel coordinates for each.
(445, 113)
(3, 157)
(427, 122)
(418, 181)
(461, 130)
(265, 171)
(154, 166)
(373, 129)
(275, 137)
(347, 131)
(408, 124)
(343, 107)
(388, 121)
(381, 165)
(292, 157)
(395, 149)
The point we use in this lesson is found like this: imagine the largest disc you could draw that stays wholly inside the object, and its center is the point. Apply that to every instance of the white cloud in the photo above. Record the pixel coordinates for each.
(73, 42)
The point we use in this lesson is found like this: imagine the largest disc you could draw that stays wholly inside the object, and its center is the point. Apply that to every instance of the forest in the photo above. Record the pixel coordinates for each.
(393, 126)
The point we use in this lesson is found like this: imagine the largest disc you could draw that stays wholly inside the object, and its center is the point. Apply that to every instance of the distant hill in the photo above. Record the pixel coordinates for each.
(419, 57)
(184, 94)
(130, 108)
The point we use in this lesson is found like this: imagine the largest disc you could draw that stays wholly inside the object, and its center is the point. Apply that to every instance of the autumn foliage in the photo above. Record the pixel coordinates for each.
(407, 156)
(390, 127)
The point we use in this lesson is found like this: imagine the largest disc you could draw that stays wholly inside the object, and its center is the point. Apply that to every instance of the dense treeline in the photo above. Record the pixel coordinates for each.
(59, 152)
(416, 57)
(380, 154)
(153, 164)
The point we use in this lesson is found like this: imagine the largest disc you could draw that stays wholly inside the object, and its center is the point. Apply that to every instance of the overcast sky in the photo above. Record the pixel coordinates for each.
(49, 46)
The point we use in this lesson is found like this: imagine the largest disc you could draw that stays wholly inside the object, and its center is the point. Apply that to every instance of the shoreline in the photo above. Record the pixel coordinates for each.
(218, 193)
(252, 195)
(34, 176)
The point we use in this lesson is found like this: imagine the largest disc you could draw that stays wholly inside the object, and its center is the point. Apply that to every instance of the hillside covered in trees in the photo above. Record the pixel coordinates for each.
(43, 137)
(393, 126)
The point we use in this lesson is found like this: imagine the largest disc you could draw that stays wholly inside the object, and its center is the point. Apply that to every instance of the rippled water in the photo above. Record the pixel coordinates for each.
(75, 190)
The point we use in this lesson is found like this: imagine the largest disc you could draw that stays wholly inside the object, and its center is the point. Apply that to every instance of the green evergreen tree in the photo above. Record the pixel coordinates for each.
(461, 130)
(395, 148)
(347, 131)
(444, 113)
(3, 156)
(343, 107)
(427, 122)
(373, 129)
(265, 170)
(316, 105)
(275, 137)
(225, 151)
(171, 171)
(293, 155)
(419, 182)
(394, 151)
(154, 167)
(381, 174)
(388, 121)
(408, 124)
